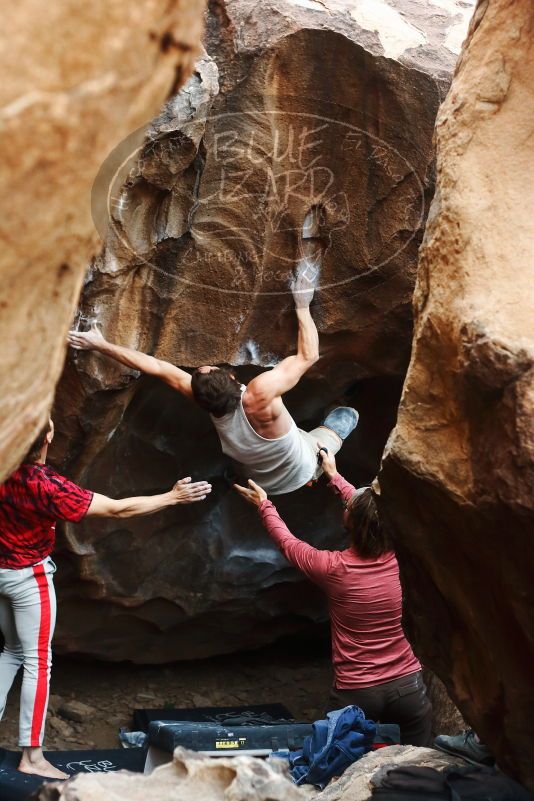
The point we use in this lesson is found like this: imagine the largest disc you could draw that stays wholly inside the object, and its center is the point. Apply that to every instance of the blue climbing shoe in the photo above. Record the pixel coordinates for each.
(466, 746)
(342, 420)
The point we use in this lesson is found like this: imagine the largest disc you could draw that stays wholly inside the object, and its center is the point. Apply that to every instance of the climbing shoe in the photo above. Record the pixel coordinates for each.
(342, 420)
(467, 746)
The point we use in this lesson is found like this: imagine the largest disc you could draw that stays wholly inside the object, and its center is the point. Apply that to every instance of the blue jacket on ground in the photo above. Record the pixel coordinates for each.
(335, 743)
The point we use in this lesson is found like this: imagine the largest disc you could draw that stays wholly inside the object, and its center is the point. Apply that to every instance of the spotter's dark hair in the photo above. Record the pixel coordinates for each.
(36, 446)
(369, 538)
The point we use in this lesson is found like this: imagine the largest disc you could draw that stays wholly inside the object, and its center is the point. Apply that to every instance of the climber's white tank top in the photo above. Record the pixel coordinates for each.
(278, 465)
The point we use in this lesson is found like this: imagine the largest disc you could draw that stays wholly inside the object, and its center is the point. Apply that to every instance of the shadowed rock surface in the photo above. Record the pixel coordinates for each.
(76, 79)
(291, 107)
(458, 472)
(446, 719)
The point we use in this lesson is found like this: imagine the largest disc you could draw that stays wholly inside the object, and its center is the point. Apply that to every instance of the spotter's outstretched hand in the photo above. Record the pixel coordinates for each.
(326, 460)
(86, 340)
(187, 492)
(255, 495)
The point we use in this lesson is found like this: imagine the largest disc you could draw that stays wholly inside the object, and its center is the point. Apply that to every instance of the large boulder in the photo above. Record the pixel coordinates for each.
(189, 777)
(359, 779)
(193, 777)
(76, 78)
(458, 471)
(294, 105)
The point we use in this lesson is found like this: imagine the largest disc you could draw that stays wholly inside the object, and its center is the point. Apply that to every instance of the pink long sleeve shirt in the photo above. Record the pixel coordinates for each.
(365, 603)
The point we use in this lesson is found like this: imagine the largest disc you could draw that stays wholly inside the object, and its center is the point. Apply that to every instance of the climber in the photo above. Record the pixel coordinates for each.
(255, 428)
(31, 501)
(374, 665)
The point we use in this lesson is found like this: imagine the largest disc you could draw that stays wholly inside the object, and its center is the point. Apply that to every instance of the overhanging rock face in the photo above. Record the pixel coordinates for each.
(76, 79)
(458, 471)
(293, 105)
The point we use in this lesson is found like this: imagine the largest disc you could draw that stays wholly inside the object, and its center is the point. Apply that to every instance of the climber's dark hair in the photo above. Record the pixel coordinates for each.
(218, 392)
(36, 446)
(369, 538)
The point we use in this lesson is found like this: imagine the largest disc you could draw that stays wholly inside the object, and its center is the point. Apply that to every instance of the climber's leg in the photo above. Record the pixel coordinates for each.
(333, 431)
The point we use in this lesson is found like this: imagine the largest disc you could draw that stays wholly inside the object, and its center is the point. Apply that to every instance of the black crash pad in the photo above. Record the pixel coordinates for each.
(257, 737)
(15, 786)
(142, 718)
(217, 739)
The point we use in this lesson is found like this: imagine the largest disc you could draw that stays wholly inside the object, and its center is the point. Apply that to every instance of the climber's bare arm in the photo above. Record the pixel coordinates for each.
(268, 386)
(93, 340)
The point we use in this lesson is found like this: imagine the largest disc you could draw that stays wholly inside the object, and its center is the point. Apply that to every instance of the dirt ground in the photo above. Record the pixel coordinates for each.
(292, 673)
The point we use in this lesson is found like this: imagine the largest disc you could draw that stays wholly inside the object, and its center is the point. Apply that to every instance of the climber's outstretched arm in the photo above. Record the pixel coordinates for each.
(274, 383)
(93, 340)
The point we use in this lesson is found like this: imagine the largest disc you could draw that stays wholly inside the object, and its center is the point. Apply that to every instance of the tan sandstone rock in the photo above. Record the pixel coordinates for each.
(76, 78)
(294, 105)
(446, 718)
(458, 471)
(189, 777)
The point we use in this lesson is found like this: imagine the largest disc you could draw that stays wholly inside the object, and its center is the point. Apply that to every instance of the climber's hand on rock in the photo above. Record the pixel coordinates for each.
(327, 461)
(86, 340)
(303, 284)
(255, 494)
(186, 491)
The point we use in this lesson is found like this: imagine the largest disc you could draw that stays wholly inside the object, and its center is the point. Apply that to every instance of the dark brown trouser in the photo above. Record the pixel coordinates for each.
(403, 701)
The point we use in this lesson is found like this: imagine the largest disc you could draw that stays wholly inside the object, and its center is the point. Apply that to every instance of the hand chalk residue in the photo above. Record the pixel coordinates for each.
(249, 353)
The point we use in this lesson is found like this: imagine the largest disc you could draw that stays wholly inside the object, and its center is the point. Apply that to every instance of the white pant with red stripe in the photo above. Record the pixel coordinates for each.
(27, 620)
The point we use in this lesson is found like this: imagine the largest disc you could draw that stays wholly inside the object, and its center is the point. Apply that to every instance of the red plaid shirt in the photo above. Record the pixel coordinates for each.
(30, 503)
